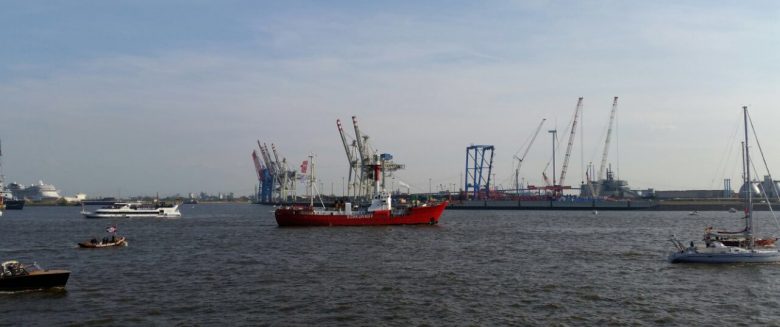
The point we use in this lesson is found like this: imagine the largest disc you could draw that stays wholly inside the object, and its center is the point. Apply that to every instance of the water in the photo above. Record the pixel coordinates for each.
(231, 265)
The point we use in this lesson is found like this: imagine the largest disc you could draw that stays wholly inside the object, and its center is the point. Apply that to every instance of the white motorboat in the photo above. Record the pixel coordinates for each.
(744, 246)
(135, 210)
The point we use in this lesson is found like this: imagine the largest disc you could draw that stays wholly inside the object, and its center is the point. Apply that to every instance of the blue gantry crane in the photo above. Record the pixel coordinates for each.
(266, 187)
(479, 167)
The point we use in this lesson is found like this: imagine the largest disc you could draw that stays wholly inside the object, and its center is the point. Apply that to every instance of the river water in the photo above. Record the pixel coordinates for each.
(231, 265)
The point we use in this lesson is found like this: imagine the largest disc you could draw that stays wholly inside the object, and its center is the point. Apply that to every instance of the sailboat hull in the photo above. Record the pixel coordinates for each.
(755, 256)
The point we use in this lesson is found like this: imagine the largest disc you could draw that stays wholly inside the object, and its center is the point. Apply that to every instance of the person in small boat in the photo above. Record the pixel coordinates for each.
(93, 241)
(113, 238)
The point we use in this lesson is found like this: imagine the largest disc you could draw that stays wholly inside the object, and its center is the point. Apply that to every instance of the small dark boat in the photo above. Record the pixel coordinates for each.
(105, 243)
(15, 276)
(11, 204)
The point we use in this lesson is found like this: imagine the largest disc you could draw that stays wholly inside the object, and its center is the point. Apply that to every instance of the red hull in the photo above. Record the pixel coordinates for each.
(306, 217)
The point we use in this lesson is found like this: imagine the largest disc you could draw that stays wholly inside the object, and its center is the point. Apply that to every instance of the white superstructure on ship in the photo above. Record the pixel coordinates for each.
(35, 192)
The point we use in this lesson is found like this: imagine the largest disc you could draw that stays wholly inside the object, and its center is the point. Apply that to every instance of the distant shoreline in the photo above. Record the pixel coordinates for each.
(663, 205)
(77, 204)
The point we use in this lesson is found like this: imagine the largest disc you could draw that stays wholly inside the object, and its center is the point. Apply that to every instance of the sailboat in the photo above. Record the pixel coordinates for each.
(748, 249)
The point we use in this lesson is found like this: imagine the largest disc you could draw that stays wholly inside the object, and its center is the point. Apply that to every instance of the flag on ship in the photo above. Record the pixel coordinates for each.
(111, 229)
(304, 165)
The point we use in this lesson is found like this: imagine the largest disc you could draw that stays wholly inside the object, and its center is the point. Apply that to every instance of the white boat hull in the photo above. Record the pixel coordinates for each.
(129, 215)
(716, 251)
(748, 256)
(123, 210)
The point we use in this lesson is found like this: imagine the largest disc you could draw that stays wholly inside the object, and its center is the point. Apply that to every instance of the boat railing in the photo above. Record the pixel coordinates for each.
(680, 247)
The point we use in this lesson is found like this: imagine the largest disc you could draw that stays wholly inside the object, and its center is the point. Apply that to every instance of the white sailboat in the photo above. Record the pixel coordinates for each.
(715, 251)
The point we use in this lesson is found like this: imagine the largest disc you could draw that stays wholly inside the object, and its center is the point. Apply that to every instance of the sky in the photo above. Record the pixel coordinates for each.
(141, 97)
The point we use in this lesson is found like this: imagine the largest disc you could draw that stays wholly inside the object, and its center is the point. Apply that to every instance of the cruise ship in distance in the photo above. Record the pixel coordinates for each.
(35, 192)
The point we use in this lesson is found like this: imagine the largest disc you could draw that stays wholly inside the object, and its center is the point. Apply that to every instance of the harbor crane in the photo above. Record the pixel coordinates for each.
(569, 145)
(606, 147)
(557, 186)
(264, 177)
(478, 157)
(363, 172)
(350, 157)
(362, 177)
(521, 158)
(258, 166)
(272, 172)
(270, 164)
(282, 180)
(282, 168)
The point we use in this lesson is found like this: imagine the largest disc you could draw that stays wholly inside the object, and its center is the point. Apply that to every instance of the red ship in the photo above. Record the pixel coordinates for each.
(380, 212)
(371, 172)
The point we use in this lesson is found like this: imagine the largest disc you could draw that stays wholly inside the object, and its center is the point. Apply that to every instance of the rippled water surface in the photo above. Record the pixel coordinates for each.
(231, 265)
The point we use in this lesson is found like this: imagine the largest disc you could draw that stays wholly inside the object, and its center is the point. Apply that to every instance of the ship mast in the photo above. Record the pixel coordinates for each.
(311, 181)
(2, 178)
(748, 184)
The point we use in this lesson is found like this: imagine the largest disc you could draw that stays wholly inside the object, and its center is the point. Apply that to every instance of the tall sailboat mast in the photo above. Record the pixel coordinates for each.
(749, 185)
(2, 178)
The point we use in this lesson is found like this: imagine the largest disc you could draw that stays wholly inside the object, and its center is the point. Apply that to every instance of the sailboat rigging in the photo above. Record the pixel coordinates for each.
(731, 247)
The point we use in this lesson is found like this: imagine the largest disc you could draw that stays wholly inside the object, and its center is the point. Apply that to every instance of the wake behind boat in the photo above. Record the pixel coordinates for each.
(135, 210)
(732, 247)
(15, 276)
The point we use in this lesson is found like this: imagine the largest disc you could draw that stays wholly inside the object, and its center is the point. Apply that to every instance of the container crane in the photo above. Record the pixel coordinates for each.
(258, 166)
(352, 162)
(366, 164)
(364, 161)
(264, 176)
(361, 142)
(285, 177)
(268, 162)
(272, 176)
(281, 171)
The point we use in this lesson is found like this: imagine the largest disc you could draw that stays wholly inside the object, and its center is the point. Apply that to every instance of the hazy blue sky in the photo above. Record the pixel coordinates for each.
(140, 97)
